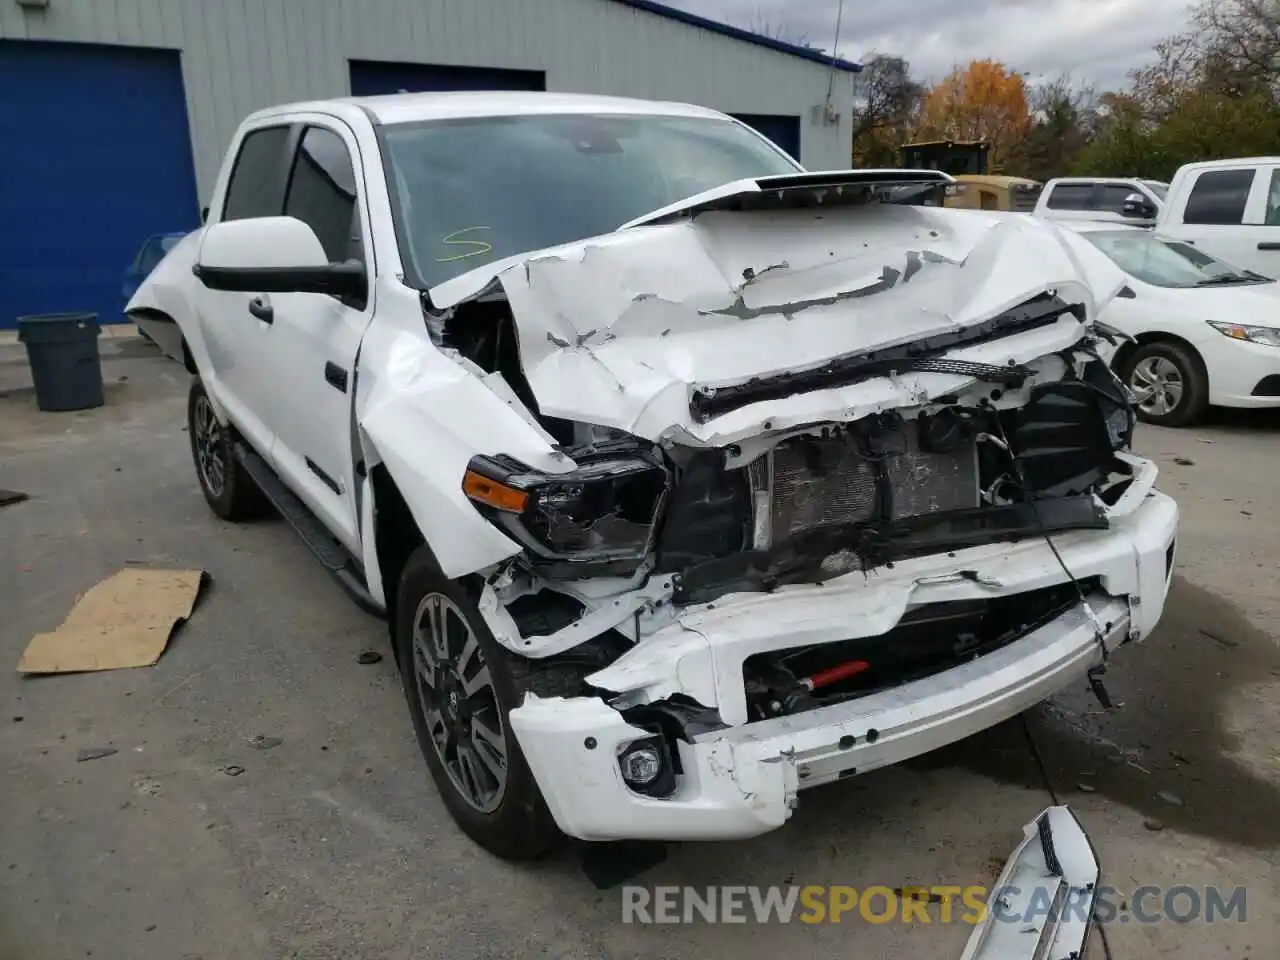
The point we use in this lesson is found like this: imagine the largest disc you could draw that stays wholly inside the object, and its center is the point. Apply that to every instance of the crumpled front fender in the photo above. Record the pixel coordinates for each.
(424, 416)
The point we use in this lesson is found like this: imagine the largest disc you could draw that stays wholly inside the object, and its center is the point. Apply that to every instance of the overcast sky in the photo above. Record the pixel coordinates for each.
(1095, 41)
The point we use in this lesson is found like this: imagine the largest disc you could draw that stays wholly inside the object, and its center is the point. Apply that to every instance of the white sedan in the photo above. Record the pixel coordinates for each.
(1206, 332)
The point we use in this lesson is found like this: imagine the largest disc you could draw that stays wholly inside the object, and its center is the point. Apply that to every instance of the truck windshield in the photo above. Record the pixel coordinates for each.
(1158, 187)
(1166, 263)
(473, 191)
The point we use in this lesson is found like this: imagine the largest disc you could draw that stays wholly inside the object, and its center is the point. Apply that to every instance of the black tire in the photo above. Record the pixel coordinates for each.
(517, 824)
(1171, 369)
(226, 485)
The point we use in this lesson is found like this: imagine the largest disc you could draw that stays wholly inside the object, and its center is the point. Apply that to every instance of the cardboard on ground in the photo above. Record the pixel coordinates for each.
(124, 621)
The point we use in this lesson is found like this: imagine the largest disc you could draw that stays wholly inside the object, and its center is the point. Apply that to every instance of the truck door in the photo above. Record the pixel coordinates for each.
(1229, 212)
(235, 334)
(315, 337)
(1262, 214)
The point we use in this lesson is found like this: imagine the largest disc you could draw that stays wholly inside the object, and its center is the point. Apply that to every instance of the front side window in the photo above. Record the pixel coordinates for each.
(1219, 197)
(1071, 196)
(256, 188)
(322, 193)
(470, 192)
(1165, 263)
(1272, 218)
(1114, 196)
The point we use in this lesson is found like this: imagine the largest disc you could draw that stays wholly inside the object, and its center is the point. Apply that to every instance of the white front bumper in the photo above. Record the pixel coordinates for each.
(743, 780)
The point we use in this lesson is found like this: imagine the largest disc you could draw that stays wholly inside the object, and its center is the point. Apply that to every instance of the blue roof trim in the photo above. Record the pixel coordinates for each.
(737, 33)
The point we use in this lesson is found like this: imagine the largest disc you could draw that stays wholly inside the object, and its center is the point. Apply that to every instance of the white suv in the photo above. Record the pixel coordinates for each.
(672, 514)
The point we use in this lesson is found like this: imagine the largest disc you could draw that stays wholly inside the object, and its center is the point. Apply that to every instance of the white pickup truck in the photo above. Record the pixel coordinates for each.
(686, 479)
(1230, 209)
(1131, 200)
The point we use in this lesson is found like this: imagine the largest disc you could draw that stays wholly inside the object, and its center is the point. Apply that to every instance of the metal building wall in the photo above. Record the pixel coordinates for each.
(240, 55)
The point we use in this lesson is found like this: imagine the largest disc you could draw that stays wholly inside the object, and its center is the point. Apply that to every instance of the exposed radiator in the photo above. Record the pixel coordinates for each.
(810, 482)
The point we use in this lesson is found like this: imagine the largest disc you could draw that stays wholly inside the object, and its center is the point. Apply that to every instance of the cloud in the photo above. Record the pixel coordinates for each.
(1095, 41)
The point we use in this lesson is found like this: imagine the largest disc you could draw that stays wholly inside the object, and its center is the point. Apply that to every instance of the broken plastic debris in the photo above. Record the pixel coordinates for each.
(95, 753)
(9, 497)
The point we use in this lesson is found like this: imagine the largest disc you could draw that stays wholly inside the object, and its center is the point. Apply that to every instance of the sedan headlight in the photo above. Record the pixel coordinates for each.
(1268, 336)
(604, 512)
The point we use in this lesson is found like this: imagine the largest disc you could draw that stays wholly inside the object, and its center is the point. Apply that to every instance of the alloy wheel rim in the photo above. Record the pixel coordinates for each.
(459, 703)
(208, 444)
(1157, 385)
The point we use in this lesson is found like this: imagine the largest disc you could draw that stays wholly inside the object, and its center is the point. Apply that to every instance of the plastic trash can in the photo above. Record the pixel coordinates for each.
(62, 349)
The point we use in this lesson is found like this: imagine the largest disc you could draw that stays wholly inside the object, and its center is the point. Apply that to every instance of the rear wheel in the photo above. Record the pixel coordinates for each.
(461, 685)
(1169, 383)
(227, 486)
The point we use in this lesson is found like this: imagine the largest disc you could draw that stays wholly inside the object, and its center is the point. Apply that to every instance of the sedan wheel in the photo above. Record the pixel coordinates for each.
(1168, 381)
(1157, 385)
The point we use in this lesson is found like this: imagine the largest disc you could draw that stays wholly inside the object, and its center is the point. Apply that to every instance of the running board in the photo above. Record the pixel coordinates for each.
(332, 554)
(1042, 906)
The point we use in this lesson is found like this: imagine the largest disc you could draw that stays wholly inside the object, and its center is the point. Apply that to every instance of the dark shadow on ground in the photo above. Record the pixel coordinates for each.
(1168, 736)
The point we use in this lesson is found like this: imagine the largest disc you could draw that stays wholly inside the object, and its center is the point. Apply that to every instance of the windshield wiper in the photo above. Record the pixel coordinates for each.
(1223, 279)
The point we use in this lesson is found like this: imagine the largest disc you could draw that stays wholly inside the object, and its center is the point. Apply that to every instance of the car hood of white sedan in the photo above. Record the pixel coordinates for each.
(621, 330)
(1248, 303)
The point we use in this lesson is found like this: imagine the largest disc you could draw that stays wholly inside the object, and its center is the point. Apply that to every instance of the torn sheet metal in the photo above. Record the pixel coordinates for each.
(619, 330)
(1041, 907)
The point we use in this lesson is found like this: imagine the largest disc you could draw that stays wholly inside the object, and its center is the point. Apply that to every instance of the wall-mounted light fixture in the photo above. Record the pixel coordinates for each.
(34, 4)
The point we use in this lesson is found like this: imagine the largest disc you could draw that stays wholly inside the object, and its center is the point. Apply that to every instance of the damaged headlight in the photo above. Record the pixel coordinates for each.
(603, 512)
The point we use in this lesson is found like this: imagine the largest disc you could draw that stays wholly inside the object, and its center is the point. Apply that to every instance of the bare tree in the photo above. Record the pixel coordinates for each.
(1064, 116)
(763, 25)
(1246, 35)
(885, 105)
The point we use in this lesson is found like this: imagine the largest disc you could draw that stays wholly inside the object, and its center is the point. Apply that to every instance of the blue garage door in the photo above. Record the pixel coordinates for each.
(371, 78)
(782, 130)
(95, 157)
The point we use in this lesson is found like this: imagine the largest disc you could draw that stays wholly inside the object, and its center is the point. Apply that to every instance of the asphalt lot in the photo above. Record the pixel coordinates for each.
(333, 844)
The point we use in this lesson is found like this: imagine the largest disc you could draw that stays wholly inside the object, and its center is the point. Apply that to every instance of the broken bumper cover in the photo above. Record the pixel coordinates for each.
(1042, 903)
(742, 781)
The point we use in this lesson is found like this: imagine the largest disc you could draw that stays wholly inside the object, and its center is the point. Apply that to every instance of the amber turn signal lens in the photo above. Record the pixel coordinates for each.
(494, 494)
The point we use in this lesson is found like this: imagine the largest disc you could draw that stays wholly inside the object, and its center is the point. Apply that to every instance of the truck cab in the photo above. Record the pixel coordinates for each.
(1230, 209)
(1133, 200)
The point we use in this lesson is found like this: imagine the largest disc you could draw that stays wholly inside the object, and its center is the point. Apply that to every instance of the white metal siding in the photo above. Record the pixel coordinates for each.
(241, 55)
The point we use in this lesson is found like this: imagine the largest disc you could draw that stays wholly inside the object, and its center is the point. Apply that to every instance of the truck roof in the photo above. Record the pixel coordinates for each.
(1229, 162)
(1056, 180)
(411, 107)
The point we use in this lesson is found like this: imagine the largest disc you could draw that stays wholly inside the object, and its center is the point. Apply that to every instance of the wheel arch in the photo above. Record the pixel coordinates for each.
(1127, 349)
(396, 536)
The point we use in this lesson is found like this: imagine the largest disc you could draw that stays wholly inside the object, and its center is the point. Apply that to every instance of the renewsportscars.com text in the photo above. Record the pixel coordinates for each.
(934, 904)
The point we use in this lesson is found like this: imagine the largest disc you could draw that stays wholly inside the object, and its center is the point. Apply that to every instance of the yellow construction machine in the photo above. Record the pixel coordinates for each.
(976, 188)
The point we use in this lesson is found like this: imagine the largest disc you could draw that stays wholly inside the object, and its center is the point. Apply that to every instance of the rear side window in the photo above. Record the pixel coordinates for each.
(1071, 196)
(322, 193)
(1219, 197)
(256, 188)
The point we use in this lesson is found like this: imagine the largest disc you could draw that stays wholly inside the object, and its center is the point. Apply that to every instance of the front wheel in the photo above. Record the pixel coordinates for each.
(461, 685)
(1169, 384)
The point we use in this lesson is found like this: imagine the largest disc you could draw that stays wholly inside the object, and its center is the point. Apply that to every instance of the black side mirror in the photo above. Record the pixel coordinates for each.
(1136, 205)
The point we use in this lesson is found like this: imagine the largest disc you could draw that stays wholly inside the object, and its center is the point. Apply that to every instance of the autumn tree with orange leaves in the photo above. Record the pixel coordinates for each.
(982, 101)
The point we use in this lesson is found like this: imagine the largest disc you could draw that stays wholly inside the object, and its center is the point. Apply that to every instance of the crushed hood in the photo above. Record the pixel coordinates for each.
(622, 329)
